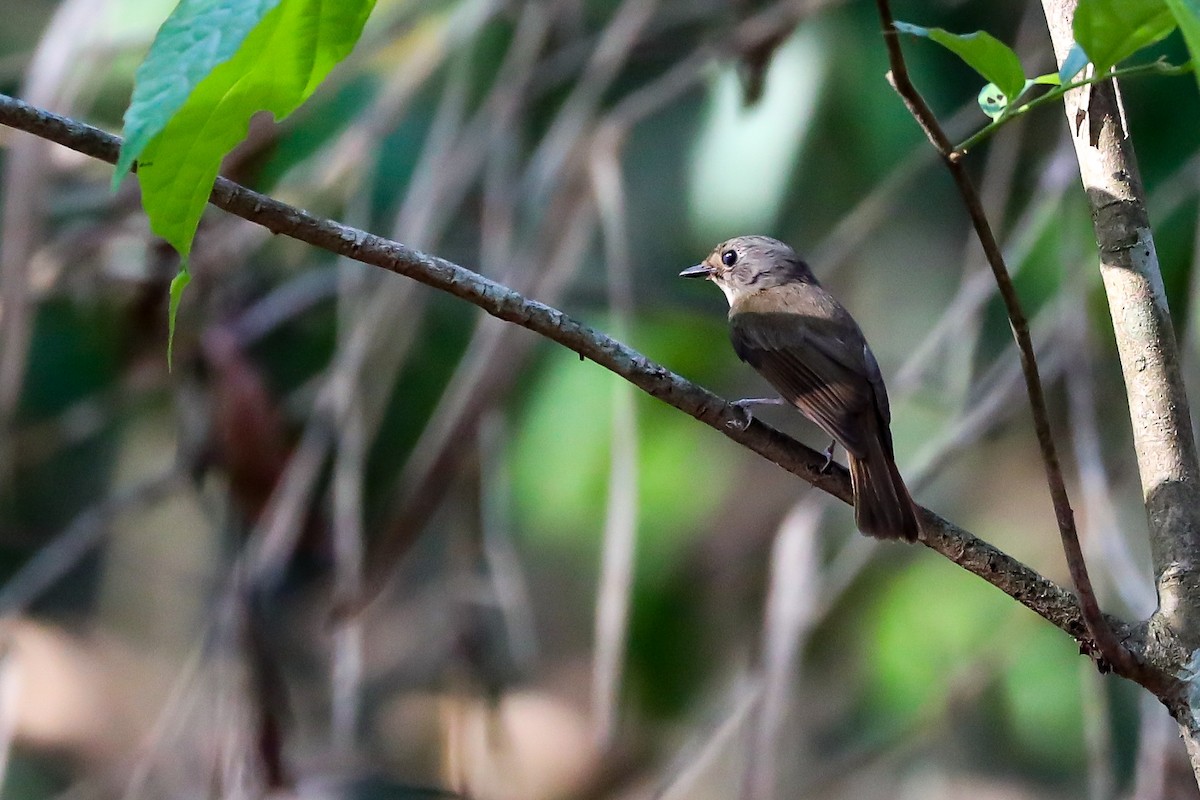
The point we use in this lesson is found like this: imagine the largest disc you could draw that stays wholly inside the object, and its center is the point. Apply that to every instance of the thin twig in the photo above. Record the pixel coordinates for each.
(489, 135)
(11, 685)
(501, 559)
(22, 211)
(1159, 68)
(974, 292)
(1110, 647)
(1097, 734)
(176, 714)
(54, 560)
(265, 691)
(567, 130)
(700, 758)
(487, 369)
(1156, 738)
(794, 606)
(995, 399)
(348, 536)
(621, 519)
(996, 184)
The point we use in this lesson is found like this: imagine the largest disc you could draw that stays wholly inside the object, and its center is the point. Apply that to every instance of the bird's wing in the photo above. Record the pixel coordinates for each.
(828, 381)
(875, 376)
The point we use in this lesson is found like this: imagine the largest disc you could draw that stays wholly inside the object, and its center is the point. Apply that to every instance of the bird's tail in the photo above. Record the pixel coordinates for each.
(883, 508)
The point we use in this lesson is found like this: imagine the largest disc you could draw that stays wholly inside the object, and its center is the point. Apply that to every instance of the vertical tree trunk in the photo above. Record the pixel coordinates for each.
(1162, 433)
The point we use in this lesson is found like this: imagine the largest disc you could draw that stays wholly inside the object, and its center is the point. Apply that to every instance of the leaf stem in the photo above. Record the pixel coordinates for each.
(1154, 68)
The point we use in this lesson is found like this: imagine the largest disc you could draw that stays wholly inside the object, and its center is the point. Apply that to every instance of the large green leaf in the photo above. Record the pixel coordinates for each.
(197, 36)
(984, 53)
(1110, 31)
(213, 65)
(1187, 15)
(277, 67)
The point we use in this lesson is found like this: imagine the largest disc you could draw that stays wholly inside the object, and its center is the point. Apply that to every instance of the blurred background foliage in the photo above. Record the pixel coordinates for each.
(179, 548)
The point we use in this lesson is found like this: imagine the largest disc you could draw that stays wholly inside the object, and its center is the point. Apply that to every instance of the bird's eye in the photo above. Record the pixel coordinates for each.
(729, 258)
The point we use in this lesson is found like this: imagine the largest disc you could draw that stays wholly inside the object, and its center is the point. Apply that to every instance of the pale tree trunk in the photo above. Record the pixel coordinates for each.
(1158, 408)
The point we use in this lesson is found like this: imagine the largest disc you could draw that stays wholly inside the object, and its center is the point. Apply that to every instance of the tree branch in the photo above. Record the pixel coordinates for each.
(1042, 596)
(1110, 647)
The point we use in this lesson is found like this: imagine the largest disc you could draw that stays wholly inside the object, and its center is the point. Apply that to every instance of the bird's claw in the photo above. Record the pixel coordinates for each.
(746, 403)
(828, 453)
(747, 417)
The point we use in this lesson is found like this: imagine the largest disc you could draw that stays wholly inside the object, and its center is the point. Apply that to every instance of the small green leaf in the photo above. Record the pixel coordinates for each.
(178, 284)
(1049, 79)
(1110, 31)
(197, 36)
(1187, 14)
(992, 101)
(984, 53)
(995, 104)
(1075, 61)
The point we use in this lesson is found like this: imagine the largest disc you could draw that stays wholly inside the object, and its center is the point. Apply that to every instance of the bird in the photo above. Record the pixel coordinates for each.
(794, 333)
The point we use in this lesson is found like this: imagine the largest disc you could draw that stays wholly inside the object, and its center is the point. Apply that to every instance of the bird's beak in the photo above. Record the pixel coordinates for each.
(698, 271)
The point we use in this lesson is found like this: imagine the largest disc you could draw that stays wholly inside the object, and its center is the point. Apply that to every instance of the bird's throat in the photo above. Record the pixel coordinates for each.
(730, 294)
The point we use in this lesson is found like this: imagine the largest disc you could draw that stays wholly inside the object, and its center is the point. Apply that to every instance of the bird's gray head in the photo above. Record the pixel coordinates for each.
(750, 264)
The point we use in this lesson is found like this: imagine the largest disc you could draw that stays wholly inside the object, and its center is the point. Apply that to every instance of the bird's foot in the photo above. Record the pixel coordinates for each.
(744, 406)
(759, 401)
(828, 453)
(744, 422)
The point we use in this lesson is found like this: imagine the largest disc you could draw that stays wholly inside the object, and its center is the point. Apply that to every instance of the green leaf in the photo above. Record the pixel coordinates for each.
(984, 53)
(1110, 31)
(278, 65)
(178, 284)
(1187, 14)
(992, 101)
(279, 53)
(197, 36)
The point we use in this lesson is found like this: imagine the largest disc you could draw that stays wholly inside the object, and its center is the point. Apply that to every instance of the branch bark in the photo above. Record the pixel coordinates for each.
(1044, 597)
(1158, 407)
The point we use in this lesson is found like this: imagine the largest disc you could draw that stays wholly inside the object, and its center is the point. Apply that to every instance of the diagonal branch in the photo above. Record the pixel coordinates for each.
(1042, 596)
(1110, 648)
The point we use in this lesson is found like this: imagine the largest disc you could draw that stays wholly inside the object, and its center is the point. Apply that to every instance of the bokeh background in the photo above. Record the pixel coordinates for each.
(182, 549)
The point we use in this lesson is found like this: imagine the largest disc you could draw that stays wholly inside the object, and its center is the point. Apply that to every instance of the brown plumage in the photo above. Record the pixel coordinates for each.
(798, 337)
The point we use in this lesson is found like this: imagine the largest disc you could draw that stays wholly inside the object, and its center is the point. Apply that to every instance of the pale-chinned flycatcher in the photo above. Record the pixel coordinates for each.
(798, 337)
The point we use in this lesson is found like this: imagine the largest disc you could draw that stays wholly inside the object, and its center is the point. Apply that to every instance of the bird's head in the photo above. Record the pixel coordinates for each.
(750, 264)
